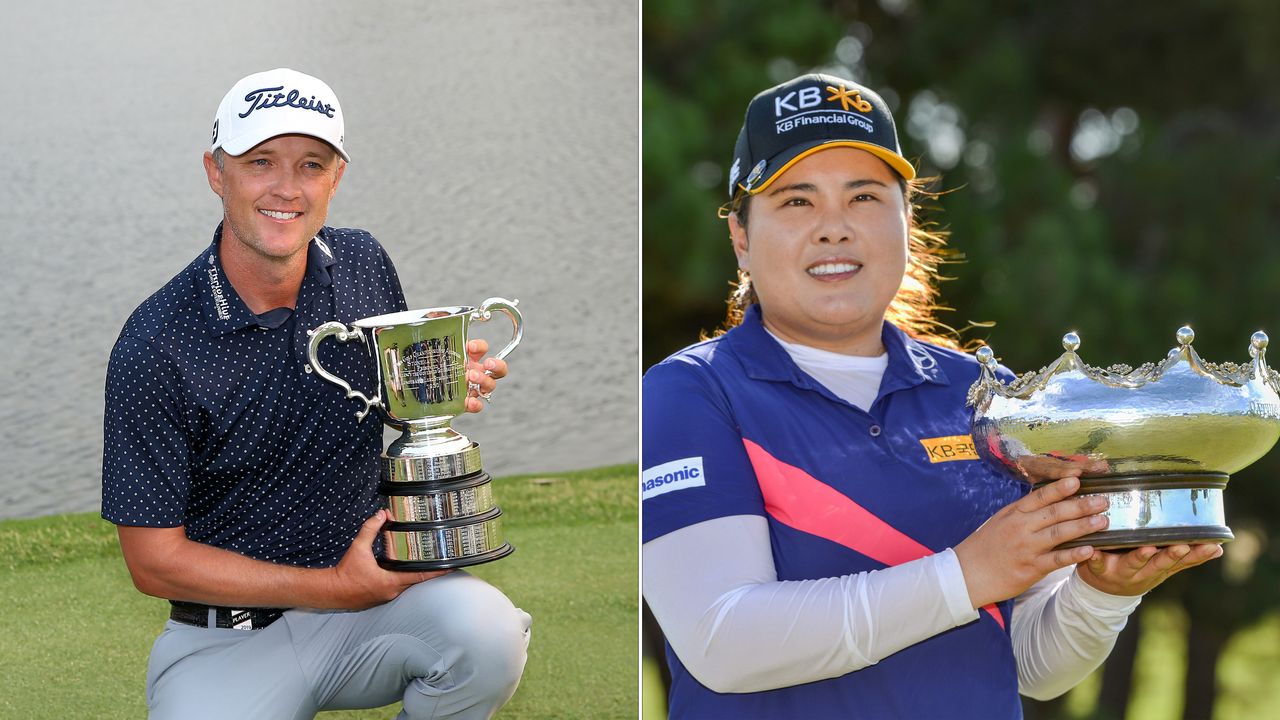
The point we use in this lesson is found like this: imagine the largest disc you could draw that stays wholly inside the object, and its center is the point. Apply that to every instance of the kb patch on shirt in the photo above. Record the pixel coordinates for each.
(949, 448)
(668, 477)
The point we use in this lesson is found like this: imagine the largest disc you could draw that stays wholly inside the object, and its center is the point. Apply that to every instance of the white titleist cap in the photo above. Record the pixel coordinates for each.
(277, 102)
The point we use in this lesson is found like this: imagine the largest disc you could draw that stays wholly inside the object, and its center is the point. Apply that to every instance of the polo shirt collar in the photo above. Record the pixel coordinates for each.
(320, 259)
(910, 364)
(224, 311)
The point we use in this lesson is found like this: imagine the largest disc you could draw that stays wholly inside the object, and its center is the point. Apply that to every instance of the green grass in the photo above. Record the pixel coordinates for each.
(74, 633)
(653, 701)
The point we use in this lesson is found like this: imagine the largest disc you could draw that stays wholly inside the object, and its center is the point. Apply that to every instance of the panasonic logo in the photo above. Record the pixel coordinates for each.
(675, 475)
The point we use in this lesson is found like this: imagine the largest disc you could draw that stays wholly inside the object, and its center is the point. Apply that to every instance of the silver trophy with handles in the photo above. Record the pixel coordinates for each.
(443, 513)
(1160, 441)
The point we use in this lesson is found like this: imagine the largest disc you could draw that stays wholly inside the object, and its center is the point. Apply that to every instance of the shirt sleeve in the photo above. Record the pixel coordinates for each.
(714, 591)
(1062, 629)
(695, 464)
(146, 452)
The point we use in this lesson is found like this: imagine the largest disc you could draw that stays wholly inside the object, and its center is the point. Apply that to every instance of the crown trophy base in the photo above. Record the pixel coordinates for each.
(1158, 510)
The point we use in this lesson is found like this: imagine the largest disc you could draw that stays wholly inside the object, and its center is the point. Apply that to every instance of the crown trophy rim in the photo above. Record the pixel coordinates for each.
(1160, 441)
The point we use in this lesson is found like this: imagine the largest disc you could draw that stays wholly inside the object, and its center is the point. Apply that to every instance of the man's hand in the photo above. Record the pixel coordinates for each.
(482, 374)
(1138, 571)
(1014, 549)
(358, 579)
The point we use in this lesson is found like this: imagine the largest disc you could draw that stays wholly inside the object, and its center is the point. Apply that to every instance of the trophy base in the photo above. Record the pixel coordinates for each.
(441, 545)
(420, 565)
(1127, 540)
(415, 502)
(421, 466)
(1158, 510)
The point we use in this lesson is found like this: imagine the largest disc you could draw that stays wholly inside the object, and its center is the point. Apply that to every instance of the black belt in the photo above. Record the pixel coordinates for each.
(229, 618)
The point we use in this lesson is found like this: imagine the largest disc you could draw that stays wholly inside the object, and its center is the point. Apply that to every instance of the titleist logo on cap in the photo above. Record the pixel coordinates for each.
(273, 97)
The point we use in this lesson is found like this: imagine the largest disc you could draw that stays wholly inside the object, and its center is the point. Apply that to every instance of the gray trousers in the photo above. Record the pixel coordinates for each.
(452, 647)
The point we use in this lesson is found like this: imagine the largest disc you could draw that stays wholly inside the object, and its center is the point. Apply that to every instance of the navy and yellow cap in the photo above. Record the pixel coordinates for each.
(815, 112)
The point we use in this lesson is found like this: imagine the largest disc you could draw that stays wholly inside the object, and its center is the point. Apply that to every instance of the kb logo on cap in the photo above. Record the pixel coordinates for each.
(812, 97)
(849, 99)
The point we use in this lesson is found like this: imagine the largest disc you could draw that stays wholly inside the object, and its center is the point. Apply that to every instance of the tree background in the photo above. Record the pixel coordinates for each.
(1107, 168)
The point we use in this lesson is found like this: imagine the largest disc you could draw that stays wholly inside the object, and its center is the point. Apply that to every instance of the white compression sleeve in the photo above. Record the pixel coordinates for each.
(737, 628)
(1062, 630)
(713, 588)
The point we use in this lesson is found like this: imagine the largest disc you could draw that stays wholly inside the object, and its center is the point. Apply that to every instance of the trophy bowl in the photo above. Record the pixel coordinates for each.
(1160, 441)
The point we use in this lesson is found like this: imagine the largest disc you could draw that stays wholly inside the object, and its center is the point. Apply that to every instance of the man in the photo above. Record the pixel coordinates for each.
(242, 485)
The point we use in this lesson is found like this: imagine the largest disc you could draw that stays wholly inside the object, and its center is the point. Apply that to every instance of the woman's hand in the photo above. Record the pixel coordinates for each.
(1043, 468)
(1140, 570)
(1014, 549)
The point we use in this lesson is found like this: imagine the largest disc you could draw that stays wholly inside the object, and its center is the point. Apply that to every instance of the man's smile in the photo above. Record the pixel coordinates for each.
(279, 215)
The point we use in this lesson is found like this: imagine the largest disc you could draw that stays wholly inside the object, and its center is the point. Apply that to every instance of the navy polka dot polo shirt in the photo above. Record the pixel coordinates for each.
(213, 423)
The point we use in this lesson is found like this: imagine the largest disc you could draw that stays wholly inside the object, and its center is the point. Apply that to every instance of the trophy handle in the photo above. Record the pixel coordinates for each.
(343, 334)
(485, 311)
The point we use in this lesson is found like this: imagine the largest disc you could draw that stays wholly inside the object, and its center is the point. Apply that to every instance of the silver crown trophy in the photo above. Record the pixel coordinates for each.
(1160, 441)
(443, 513)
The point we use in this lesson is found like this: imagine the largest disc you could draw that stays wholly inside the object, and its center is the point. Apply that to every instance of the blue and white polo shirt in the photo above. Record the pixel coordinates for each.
(213, 423)
(733, 427)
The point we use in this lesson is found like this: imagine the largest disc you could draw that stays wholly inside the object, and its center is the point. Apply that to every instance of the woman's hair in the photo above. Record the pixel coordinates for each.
(913, 308)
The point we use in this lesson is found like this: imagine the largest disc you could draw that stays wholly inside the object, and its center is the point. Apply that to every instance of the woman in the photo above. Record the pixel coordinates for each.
(820, 538)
